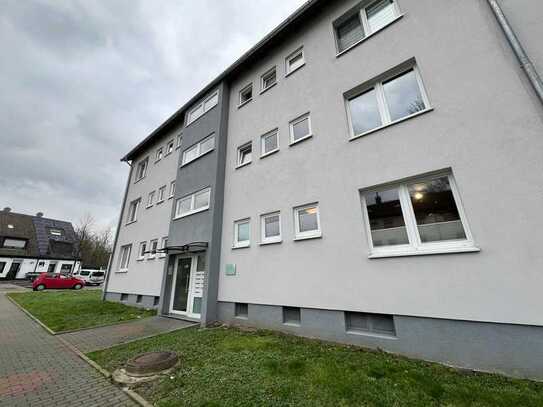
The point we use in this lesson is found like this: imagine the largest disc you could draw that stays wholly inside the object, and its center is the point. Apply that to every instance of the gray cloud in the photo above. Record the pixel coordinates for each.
(83, 81)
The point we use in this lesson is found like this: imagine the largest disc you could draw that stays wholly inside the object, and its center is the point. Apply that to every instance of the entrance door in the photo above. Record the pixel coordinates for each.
(187, 287)
(13, 270)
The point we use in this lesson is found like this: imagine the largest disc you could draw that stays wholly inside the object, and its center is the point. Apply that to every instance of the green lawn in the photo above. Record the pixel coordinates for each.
(228, 367)
(68, 309)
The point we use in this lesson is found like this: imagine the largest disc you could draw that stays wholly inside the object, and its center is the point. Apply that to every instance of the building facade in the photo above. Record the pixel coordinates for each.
(35, 244)
(355, 188)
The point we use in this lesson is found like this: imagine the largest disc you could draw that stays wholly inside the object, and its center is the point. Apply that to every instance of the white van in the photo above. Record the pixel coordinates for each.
(91, 277)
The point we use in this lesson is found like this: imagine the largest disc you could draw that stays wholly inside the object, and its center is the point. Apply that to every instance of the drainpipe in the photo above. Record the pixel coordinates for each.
(524, 60)
(110, 263)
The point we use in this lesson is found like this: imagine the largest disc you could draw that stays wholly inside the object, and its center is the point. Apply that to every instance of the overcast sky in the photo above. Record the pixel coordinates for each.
(82, 82)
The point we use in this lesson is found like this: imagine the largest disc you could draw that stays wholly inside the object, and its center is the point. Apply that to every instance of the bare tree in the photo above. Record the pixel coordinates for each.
(94, 245)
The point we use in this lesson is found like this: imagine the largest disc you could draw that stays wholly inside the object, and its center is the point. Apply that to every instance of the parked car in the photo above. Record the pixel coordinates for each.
(91, 277)
(56, 280)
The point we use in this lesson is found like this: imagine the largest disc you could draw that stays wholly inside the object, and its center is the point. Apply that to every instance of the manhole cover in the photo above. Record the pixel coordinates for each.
(150, 363)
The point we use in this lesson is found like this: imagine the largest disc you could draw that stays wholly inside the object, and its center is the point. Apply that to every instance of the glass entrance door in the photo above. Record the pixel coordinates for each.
(181, 285)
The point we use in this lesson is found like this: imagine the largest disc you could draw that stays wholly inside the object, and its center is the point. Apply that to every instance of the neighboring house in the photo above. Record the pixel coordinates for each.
(368, 173)
(34, 244)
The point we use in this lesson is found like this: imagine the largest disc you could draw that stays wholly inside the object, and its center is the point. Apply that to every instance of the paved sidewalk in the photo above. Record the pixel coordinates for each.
(36, 369)
(104, 337)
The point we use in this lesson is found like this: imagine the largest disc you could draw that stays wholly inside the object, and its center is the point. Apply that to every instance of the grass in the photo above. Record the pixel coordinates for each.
(228, 367)
(67, 309)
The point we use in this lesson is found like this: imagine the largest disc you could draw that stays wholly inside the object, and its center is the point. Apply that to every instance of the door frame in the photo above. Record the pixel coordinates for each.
(190, 295)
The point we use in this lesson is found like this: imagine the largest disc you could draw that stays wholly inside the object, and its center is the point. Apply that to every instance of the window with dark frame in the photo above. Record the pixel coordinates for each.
(241, 310)
(291, 315)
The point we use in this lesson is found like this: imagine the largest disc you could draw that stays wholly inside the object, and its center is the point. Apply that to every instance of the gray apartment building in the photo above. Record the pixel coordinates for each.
(367, 173)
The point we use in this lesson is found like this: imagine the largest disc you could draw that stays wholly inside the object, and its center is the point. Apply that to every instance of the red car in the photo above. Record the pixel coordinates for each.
(56, 281)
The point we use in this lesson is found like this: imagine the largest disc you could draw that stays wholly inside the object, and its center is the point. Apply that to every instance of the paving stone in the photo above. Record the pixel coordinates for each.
(37, 369)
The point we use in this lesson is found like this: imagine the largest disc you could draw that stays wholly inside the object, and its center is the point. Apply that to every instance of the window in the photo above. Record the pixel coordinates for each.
(269, 143)
(387, 102)
(241, 310)
(156, 301)
(291, 315)
(124, 257)
(307, 222)
(56, 232)
(300, 129)
(193, 203)
(14, 243)
(268, 79)
(417, 217)
(153, 246)
(362, 322)
(359, 23)
(294, 61)
(163, 245)
(270, 226)
(2, 266)
(169, 147)
(242, 233)
(139, 298)
(159, 154)
(172, 189)
(198, 149)
(141, 169)
(142, 250)
(203, 107)
(161, 194)
(124, 297)
(246, 95)
(178, 141)
(151, 199)
(245, 154)
(133, 211)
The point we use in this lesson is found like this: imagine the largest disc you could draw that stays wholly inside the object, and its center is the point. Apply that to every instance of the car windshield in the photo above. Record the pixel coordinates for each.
(98, 274)
(84, 273)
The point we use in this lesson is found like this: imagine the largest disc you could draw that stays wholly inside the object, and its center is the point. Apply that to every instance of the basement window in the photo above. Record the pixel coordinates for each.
(362, 322)
(241, 310)
(124, 297)
(291, 315)
(138, 299)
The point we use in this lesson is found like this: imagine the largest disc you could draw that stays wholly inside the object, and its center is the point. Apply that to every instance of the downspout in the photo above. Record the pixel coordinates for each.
(110, 263)
(524, 60)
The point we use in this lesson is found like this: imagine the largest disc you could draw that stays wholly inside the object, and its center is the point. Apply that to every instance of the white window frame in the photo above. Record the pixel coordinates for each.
(136, 203)
(142, 248)
(244, 243)
(169, 148)
(123, 267)
(198, 147)
(264, 88)
(272, 239)
(290, 57)
(159, 155)
(172, 190)
(203, 107)
(264, 153)
(310, 234)
(362, 14)
(151, 199)
(145, 163)
(161, 196)
(192, 197)
(381, 100)
(297, 120)
(163, 245)
(239, 164)
(415, 246)
(52, 231)
(152, 254)
(242, 91)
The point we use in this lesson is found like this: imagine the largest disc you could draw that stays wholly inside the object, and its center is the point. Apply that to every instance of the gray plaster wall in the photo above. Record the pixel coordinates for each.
(501, 348)
(485, 126)
(206, 171)
(147, 301)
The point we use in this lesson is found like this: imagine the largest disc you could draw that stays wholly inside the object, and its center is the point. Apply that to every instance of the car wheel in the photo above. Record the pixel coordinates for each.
(40, 287)
(78, 287)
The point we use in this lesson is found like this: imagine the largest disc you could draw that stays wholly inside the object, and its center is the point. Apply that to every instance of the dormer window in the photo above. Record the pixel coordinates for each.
(11, 243)
(56, 232)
